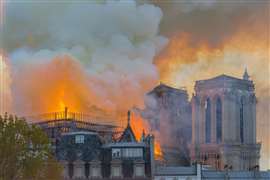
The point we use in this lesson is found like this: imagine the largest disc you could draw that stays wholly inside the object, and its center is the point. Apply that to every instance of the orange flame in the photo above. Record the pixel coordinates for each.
(62, 105)
(52, 86)
(63, 83)
(158, 150)
(139, 125)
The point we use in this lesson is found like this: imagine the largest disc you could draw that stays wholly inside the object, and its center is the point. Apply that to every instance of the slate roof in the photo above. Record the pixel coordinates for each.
(128, 135)
(164, 87)
(80, 132)
(89, 150)
(125, 144)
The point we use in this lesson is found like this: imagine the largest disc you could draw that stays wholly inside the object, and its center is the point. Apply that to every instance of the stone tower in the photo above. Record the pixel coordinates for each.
(224, 123)
(168, 112)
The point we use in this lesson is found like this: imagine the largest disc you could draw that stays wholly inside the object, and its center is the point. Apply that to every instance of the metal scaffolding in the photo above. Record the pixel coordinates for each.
(56, 123)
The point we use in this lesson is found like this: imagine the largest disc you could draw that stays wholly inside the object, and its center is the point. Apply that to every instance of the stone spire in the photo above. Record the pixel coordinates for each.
(128, 119)
(245, 75)
(128, 135)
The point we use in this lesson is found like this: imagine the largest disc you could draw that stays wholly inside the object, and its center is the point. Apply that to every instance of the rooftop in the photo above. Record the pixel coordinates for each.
(125, 144)
(80, 133)
(224, 81)
(163, 87)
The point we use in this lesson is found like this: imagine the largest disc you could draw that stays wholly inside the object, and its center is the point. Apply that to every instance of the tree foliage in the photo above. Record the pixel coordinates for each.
(25, 151)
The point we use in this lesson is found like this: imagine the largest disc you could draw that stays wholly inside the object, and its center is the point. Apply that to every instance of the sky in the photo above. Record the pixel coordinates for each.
(106, 54)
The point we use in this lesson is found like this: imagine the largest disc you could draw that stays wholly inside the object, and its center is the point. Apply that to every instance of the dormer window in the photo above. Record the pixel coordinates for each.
(79, 139)
(116, 153)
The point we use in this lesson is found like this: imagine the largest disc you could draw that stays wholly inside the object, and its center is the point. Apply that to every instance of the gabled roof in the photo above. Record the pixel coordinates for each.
(222, 77)
(128, 135)
(163, 87)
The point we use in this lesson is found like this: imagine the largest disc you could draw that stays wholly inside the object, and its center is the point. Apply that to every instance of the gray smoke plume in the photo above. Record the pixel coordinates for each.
(113, 42)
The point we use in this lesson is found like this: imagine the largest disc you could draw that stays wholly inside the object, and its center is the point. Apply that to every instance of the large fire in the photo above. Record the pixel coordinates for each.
(52, 86)
(63, 83)
(140, 126)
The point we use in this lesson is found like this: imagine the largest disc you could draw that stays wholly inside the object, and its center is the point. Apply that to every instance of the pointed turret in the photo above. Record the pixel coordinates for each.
(128, 134)
(245, 75)
(142, 136)
(128, 118)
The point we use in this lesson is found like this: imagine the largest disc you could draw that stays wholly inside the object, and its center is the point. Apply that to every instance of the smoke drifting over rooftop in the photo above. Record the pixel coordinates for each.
(116, 51)
(113, 43)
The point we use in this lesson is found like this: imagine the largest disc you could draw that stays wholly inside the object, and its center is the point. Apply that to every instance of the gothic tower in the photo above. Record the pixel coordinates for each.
(224, 123)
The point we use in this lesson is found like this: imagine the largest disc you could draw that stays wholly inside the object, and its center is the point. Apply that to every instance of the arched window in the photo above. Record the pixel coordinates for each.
(219, 120)
(242, 120)
(208, 121)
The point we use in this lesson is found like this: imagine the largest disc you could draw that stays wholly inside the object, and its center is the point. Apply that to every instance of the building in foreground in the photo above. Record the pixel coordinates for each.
(92, 151)
(223, 137)
(224, 123)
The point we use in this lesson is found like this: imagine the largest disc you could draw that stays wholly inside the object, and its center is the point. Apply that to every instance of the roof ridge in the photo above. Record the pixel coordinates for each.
(222, 76)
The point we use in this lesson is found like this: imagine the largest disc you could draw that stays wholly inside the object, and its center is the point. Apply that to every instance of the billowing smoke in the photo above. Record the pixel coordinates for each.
(213, 21)
(81, 54)
(101, 53)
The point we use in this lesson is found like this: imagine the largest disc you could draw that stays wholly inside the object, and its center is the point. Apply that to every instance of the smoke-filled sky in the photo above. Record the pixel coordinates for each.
(108, 53)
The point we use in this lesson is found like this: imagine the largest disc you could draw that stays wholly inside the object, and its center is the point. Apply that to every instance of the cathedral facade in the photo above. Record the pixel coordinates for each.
(224, 123)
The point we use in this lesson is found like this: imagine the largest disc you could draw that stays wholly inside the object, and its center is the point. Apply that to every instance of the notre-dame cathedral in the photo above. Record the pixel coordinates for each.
(224, 123)
(221, 114)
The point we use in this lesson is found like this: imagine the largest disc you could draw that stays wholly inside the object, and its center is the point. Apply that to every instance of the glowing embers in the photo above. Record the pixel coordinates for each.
(158, 151)
(140, 127)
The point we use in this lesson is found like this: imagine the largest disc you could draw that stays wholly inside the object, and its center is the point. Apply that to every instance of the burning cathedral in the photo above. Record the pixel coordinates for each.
(89, 150)
(216, 128)
(221, 116)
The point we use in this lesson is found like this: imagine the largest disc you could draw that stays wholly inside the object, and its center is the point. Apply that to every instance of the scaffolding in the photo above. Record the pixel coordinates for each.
(56, 123)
